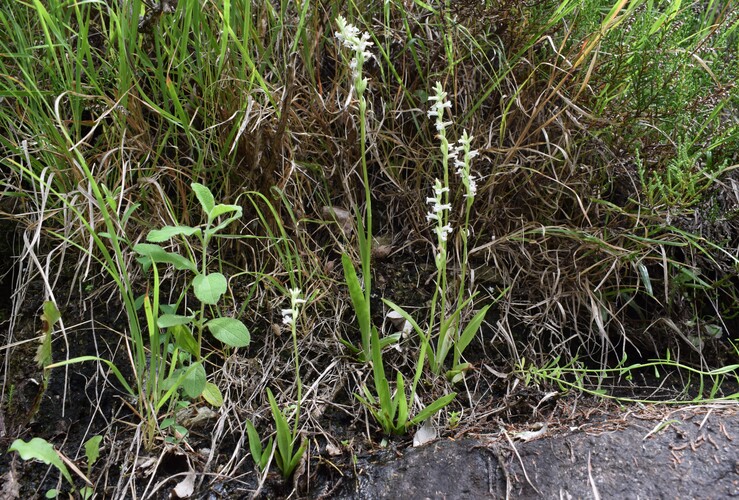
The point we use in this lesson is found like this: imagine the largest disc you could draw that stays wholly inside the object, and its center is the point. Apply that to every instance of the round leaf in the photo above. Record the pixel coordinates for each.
(209, 287)
(230, 331)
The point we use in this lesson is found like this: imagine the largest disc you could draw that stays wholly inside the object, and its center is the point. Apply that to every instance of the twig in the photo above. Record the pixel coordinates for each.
(520, 460)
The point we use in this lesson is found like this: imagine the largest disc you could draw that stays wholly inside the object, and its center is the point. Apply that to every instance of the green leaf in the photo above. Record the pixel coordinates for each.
(92, 449)
(471, 329)
(204, 196)
(212, 394)
(361, 307)
(284, 437)
(433, 408)
(296, 457)
(391, 339)
(51, 314)
(378, 372)
(110, 364)
(230, 331)
(48, 319)
(170, 320)
(406, 317)
(402, 404)
(168, 232)
(193, 384)
(255, 444)
(223, 224)
(209, 287)
(40, 449)
(185, 340)
(225, 209)
(157, 254)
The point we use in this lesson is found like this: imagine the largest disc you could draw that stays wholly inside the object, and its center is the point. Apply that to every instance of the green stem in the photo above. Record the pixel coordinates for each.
(367, 250)
(203, 269)
(297, 372)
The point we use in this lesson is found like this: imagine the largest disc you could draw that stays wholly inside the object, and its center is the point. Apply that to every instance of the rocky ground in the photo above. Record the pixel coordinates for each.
(645, 453)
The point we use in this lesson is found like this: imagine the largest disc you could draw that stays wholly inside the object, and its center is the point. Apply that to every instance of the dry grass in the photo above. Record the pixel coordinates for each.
(597, 260)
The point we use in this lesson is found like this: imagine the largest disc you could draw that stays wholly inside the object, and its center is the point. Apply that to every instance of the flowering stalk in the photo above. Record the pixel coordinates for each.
(440, 213)
(470, 187)
(288, 318)
(350, 37)
(450, 333)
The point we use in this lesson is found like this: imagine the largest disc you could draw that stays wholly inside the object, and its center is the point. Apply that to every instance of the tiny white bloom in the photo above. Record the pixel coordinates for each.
(444, 232)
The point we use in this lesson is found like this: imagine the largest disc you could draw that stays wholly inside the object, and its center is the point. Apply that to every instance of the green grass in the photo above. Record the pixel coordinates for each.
(605, 219)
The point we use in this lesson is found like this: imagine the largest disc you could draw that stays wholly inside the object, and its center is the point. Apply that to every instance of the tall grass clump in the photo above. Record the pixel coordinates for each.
(561, 206)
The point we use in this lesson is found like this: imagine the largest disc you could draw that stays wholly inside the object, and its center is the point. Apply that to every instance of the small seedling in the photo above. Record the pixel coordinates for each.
(42, 450)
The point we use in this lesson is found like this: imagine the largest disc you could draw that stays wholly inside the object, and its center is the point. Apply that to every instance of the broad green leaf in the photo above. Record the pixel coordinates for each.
(159, 255)
(212, 394)
(169, 320)
(225, 209)
(209, 287)
(40, 449)
(92, 449)
(204, 196)
(168, 232)
(194, 382)
(230, 331)
(185, 340)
